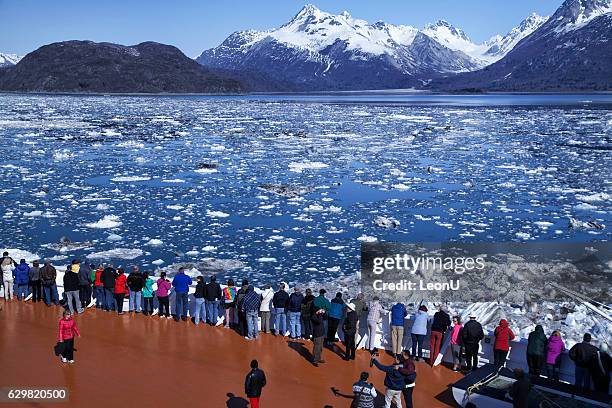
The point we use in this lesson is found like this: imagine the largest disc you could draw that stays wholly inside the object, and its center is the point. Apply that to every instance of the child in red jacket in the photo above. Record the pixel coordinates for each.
(503, 337)
(67, 330)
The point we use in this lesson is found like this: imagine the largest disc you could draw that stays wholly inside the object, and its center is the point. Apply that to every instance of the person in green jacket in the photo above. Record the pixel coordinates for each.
(321, 302)
(536, 350)
(147, 295)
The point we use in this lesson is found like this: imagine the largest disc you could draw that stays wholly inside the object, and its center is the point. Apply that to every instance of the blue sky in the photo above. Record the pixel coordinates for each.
(194, 26)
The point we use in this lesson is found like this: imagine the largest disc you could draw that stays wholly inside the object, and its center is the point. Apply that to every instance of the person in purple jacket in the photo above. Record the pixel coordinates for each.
(163, 287)
(553, 355)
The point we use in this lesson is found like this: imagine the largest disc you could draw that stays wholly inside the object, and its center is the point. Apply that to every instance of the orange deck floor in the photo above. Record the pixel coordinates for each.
(139, 361)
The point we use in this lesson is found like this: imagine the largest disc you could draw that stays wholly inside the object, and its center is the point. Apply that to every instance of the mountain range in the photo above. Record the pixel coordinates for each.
(321, 51)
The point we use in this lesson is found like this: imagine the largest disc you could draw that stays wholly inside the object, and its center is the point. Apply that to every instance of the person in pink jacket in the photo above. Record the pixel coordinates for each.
(67, 330)
(162, 293)
(553, 355)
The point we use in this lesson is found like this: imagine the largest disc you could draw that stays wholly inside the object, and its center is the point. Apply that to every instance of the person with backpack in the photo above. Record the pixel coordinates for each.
(48, 275)
(229, 303)
(200, 307)
(108, 281)
(8, 278)
(254, 383)
(419, 331)
(306, 314)
(336, 313)
(501, 347)
(181, 283)
(554, 348)
(349, 327)
(71, 288)
(398, 314)
(536, 350)
(583, 355)
(294, 308)
(212, 297)
(120, 290)
(35, 282)
(22, 279)
(147, 295)
(266, 298)
(163, 293)
(364, 392)
(456, 343)
(242, 327)
(395, 382)
(471, 336)
(135, 283)
(280, 300)
(440, 324)
(66, 332)
(99, 287)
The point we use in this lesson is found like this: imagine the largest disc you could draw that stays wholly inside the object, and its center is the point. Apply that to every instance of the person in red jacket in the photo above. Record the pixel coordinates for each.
(503, 337)
(67, 330)
(121, 289)
(99, 288)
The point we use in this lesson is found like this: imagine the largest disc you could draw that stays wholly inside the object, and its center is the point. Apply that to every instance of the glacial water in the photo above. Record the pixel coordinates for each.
(163, 180)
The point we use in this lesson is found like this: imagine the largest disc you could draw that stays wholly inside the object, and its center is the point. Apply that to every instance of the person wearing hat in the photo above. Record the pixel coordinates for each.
(471, 335)
(349, 327)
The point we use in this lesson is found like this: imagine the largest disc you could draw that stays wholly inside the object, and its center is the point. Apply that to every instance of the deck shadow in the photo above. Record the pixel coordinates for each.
(301, 349)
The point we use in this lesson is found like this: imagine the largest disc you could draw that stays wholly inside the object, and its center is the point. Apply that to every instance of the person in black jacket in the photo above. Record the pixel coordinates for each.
(212, 296)
(349, 327)
(318, 335)
(306, 314)
(242, 320)
(583, 355)
(71, 290)
(135, 282)
(254, 383)
(199, 301)
(600, 371)
(519, 390)
(471, 335)
(441, 323)
(295, 310)
(280, 301)
(108, 281)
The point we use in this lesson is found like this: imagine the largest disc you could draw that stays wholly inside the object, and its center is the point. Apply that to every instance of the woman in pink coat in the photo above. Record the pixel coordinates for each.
(553, 355)
(66, 333)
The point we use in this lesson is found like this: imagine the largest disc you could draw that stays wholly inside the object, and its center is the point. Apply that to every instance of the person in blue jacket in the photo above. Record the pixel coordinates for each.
(181, 283)
(22, 279)
(398, 314)
(336, 313)
(395, 382)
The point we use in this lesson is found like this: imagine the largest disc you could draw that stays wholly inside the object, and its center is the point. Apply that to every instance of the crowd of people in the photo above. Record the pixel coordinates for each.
(298, 316)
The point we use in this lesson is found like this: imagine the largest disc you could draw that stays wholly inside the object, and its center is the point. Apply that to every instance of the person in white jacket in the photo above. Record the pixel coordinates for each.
(8, 266)
(419, 331)
(266, 297)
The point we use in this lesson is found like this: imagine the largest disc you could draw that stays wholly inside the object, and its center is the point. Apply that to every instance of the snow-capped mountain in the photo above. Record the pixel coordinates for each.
(7, 60)
(319, 50)
(572, 50)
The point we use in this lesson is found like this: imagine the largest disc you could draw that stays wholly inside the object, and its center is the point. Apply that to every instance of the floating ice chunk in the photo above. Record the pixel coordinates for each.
(299, 167)
(216, 214)
(386, 222)
(109, 221)
(523, 235)
(130, 144)
(289, 242)
(33, 214)
(594, 198)
(102, 207)
(367, 238)
(209, 248)
(192, 253)
(155, 242)
(266, 260)
(117, 253)
(544, 224)
(206, 171)
(158, 262)
(401, 186)
(176, 181)
(176, 207)
(585, 225)
(130, 179)
(585, 207)
(114, 238)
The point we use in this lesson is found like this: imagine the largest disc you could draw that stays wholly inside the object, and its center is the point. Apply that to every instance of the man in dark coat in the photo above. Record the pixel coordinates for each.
(519, 390)
(254, 383)
(318, 335)
(108, 281)
(349, 327)
(471, 335)
(583, 355)
(212, 297)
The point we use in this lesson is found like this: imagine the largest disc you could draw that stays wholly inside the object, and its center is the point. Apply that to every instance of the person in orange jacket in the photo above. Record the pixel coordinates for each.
(121, 289)
(66, 333)
(503, 337)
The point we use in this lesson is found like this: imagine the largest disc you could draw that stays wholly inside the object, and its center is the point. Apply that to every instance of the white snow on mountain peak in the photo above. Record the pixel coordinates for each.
(574, 14)
(9, 59)
(500, 46)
